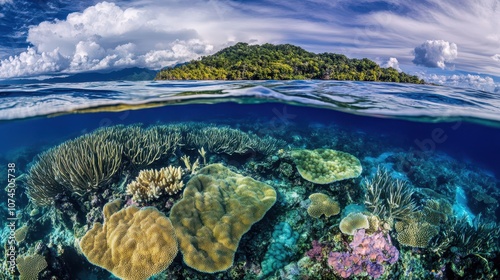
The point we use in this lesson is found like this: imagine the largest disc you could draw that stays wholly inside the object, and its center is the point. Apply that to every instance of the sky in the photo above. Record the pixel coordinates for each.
(447, 41)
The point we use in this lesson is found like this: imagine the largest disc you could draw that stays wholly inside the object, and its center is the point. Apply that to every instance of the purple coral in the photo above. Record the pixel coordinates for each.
(369, 253)
(316, 252)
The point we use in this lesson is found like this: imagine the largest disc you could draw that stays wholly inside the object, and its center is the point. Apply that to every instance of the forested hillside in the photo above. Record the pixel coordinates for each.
(281, 62)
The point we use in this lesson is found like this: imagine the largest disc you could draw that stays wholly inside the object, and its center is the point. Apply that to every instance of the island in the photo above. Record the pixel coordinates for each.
(281, 62)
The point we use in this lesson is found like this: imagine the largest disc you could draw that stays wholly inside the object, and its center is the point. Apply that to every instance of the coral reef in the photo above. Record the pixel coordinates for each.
(151, 184)
(217, 208)
(324, 166)
(133, 243)
(415, 233)
(388, 198)
(30, 266)
(369, 253)
(321, 204)
(352, 222)
(281, 248)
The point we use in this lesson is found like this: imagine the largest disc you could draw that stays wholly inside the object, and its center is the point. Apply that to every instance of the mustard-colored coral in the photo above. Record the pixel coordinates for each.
(30, 266)
(436, 212)
(132, 244)
(111, 207)
(217, 208)
(321, 204)
(415, 233)
(324, 166)
(151, 184)
(353, 222)
(20, 233)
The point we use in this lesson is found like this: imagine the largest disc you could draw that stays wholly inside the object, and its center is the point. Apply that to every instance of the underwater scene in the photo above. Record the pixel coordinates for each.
(249, 180)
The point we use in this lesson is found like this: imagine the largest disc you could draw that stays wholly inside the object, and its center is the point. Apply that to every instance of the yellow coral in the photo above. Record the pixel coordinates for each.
(416, 233)
(132, 244)
(20, 233)
(353, 222)
(30, 266)
(151, 184)
(324, 166)
(217, 208)
(321, 204)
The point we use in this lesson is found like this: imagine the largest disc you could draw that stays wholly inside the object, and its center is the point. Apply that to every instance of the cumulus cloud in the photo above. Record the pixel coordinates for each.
(496, 57)
(106, 36)
(435, 53)
(479, 82)
(392, 62)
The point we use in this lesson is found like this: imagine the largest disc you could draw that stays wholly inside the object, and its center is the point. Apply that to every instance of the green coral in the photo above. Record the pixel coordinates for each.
(217, 208)
(324, 166)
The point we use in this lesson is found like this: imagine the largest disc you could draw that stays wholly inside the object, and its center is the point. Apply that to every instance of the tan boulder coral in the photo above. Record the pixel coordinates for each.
(324, 166)
(321, 204)
(133, 243)
(151, 184)
(217, 208)
(353, 222)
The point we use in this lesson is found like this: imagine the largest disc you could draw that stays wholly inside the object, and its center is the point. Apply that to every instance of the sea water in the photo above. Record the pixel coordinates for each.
(442, 143)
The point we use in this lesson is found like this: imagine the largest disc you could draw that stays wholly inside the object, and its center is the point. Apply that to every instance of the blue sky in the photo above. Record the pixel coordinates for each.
(439, 39)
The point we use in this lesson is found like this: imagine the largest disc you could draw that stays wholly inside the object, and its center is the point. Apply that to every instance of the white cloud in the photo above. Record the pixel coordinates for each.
(496, 57)
(435, 53)
(479, 82)
(392, 62)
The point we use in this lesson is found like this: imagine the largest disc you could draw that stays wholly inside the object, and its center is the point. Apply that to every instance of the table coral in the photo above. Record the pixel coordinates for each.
(217, 208)
(324, 166)
(321, 204)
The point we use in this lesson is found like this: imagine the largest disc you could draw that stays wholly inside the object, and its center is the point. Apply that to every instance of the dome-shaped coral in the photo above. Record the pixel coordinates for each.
(324, 166)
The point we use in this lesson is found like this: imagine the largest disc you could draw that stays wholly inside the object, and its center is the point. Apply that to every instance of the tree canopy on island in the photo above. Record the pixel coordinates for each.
(281, 62)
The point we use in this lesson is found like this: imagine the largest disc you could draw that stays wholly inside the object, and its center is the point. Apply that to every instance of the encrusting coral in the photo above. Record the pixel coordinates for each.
(132, 244)
(217, 208)
(321, 204)
(324, 166)
(151, 184)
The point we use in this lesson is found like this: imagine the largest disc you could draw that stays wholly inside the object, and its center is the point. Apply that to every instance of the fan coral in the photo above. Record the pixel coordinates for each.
(151, 184)
(369, 253)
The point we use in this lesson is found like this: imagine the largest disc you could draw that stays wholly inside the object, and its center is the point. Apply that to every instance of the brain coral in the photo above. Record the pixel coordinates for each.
(353, 222)
(217, 208)
(132, 244)
(321, 204)
(150, 184)
(324, 166)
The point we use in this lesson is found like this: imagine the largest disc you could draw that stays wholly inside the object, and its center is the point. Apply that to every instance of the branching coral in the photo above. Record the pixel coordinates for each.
(388, 198)
(479, 238)
(76, 166)
(151, 184)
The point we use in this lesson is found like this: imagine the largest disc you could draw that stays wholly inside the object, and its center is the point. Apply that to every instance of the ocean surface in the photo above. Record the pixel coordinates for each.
(443, 143)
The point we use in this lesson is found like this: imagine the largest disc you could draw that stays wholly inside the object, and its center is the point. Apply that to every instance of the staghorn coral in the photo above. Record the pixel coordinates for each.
(353, 222)
(479, 238)
(324, 166)
(76, 166)
(388, 198)
(132, 244)
(321, 204)
(415, 233)
(30, 266)
(151, 184)
(217, 208)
